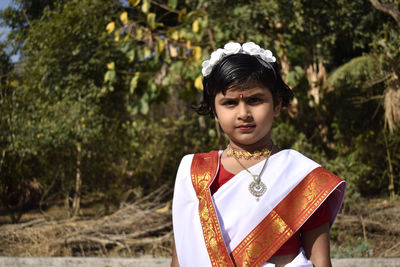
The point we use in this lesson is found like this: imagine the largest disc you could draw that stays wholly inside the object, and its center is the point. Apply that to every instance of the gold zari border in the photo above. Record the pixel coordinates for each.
(203, 171)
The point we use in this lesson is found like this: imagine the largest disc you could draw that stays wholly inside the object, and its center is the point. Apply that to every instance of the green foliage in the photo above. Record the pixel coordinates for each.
(360, 72)
(19, 16)
(63, 74)
(157, 146)
(60, 104)
(357, 249)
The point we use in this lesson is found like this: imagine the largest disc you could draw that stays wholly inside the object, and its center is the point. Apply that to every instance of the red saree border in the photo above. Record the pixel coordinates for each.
(203, 170)
(286, 218)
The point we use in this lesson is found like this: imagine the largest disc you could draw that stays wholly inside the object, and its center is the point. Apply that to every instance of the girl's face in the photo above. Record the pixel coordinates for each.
(246, 116)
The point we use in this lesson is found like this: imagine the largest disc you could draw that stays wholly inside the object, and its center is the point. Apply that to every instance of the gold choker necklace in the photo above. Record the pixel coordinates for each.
(239, 154)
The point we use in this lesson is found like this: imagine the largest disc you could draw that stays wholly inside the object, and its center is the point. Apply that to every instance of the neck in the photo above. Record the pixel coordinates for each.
(267, 144)
(256, 154)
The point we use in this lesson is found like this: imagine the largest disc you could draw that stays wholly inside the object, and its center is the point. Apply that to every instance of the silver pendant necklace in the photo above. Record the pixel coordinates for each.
(257, 188)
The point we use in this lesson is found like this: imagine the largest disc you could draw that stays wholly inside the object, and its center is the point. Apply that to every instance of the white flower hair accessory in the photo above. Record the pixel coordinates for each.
(231, 48)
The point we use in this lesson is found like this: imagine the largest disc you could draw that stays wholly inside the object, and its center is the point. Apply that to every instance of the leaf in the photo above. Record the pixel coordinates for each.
(139, 34)
(146, 52)
(144, 106)
(125, 47)
(110, 76)
(198, 83)
(188, 45)
(172, 3)
(195, 26)
(212, 133)
(197, 53)
(76, 51)
(110, 27)
(182, 34)
(134, 2)
(160, 45)
(153, 87)
(107, 76)
(151, 20)
(134, 83)
(175, 35)
(117, 34)
(146, 6)
(131, 55)
(124, 17)
(111, 65)
(182, 14)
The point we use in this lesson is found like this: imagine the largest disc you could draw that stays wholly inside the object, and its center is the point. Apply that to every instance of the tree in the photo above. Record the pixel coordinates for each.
(19, 16)
(62, 100)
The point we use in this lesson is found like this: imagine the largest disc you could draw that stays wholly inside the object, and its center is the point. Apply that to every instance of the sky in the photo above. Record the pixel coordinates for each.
(3, 31)
(4, 4)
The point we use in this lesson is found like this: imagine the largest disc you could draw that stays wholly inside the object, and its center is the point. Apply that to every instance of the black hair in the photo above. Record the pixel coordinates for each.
(242, 71)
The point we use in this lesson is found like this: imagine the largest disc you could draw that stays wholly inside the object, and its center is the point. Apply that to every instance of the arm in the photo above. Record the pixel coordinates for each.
(174, 262)
(316, 246)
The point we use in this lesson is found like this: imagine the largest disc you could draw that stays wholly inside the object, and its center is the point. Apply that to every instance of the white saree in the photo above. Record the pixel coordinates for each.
(237, 211)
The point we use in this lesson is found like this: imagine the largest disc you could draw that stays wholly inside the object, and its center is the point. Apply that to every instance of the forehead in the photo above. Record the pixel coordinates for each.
(237, 92)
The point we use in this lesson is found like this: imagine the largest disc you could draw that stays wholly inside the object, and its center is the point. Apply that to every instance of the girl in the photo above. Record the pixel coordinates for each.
(251, 204)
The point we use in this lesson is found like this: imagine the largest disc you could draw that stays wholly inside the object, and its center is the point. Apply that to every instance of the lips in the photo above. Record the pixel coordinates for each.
(246, 127)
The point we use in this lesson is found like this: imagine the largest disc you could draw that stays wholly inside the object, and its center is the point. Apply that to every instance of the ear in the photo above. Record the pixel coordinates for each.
(277, 108)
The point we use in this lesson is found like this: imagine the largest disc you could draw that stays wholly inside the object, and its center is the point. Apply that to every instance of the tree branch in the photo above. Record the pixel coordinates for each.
(388, 8)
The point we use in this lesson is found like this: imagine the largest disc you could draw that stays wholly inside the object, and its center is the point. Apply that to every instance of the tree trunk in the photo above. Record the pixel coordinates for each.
(76, 204)
(391, 175)
(316, 75)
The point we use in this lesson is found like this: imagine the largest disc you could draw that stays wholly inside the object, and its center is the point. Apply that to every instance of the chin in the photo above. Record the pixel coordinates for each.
(245, 143)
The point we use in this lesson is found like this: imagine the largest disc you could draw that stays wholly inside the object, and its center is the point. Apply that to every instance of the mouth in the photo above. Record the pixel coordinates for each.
(246, 127)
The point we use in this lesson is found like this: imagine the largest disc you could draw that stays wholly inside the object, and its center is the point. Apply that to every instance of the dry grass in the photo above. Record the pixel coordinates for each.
(372, 231)
(143, 227)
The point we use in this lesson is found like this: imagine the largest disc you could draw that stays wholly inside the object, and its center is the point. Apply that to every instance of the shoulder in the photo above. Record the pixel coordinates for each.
(294, 157)
(291, 164)
(199, 158)
(187, 159)
(185, 163)
(292, 153)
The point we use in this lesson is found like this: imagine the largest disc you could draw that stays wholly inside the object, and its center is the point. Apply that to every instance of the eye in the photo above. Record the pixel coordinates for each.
(229, 103)
(254, 100)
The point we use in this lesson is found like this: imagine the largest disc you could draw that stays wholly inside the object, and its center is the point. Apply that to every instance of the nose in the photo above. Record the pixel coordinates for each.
(243, 111)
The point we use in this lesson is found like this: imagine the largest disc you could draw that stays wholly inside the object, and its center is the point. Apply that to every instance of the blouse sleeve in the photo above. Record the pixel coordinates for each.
(320, 217)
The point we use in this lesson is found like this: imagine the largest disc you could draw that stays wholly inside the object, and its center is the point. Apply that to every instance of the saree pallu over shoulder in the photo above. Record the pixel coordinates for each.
(203, 170)
(215, 237)
(286, 218)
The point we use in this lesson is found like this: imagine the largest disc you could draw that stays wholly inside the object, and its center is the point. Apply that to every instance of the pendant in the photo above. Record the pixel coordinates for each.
(257, 188)
(256, 178)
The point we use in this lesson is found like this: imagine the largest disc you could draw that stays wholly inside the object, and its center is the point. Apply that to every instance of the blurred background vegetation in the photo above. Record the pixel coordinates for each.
(99, 101)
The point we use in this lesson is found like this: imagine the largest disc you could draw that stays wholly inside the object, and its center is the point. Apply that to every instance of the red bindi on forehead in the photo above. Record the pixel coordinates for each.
(242, 94)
